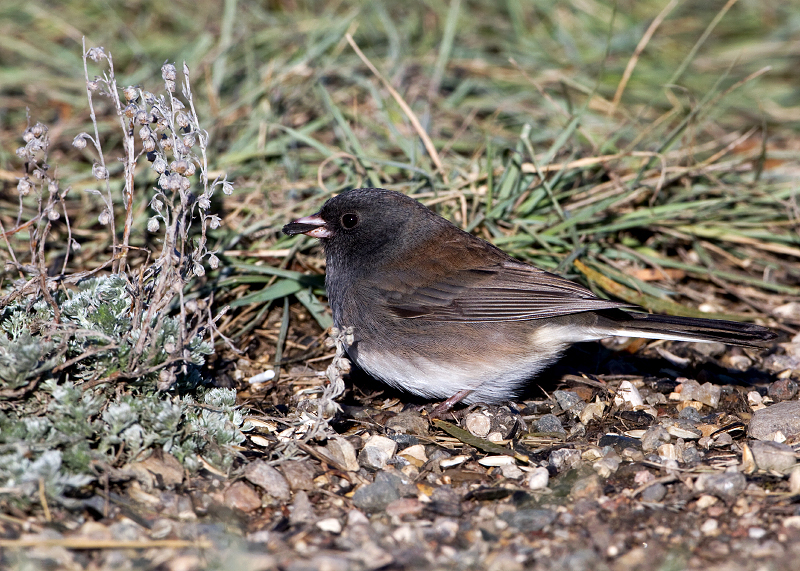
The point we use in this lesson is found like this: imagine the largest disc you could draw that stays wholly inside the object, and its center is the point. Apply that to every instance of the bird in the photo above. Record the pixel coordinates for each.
(442, 314)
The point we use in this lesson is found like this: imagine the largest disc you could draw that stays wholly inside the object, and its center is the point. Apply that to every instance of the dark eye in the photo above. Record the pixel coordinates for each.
(349, 221)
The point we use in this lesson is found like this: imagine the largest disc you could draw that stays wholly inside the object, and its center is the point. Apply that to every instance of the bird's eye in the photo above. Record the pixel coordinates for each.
(349, 221)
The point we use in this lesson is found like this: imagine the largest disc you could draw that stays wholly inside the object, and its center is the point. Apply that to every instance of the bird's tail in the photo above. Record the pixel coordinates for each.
(690, 329)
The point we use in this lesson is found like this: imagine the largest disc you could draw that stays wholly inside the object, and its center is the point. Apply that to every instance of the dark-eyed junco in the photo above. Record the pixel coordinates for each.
(443, 314)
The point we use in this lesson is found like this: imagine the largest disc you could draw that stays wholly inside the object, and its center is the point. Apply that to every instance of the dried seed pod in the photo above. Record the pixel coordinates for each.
(168, 72)
(159, 165)
(24, 186)
(96, 54)
(153, 224)
(130, 93)
(182, 120)
(149, 144)
(100, 172)
(213, 262)
(79, 142)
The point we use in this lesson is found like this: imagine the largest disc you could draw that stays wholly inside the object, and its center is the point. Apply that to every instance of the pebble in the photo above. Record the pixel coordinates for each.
(478, 424)
(301, 509)
(415, 454)
(784, 389)
(446, 501)
(261, 474)
(690, 413)
(408, 422)
(377, 452)
(569, 401)
(512, 472)
(527, 520)
(298, 473)
(342, 451)
(783, 417)
(682, 428)
(549, 423)
(773, 456)
(374, 497)
(538, 478)
(710, 527)
(589, 487)
(707, 393)
(794, 481)
(780, 363)
(628, 393)
(654, 493)
(564, 459)
(404, 506)
(242, 496)
(726, 485)
(654, 437)
(330, 524)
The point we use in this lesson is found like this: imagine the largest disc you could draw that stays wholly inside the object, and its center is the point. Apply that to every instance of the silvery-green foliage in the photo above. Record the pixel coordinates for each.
(80, 435)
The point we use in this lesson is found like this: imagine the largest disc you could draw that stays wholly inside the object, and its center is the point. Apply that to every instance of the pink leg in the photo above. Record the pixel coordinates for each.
(444, 407)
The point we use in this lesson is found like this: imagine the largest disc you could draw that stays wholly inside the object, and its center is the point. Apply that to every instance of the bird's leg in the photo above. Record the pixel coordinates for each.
(444, 407)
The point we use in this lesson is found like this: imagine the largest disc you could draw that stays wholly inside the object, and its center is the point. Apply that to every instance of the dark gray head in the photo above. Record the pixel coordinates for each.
(361, 225)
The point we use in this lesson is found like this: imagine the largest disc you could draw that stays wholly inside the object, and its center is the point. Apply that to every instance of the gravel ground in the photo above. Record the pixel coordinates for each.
(679, 456)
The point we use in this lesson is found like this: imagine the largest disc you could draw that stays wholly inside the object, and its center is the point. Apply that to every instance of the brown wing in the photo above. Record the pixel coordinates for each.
(507, 290)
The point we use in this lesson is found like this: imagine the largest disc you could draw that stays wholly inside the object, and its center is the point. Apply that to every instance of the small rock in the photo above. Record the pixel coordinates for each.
(592, 411)
(726, 485)
(628, 393)
(564, 459)
(789, 311)
(262, 474)
(299, 474)
(374, 497)
(408, 422)
(784, 389)
(343, 452)
(709, 527)
(445, 501)
(682, 428)
(527, 520)
(780, 363)
(569, 401)
(405, 506)
(511, 472)
(242, 496)
(794, 481)
(589, 487)
(301, 510)
(654, 493)
(538, 478)
(377, 452)
(689, 413)
(654, 437)
(783, 417)
(549, 423)
(669, 452)
(166, 468)
(478, 423)
(415, 454)
(773, 456)
(330, 524)
(318, 563)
